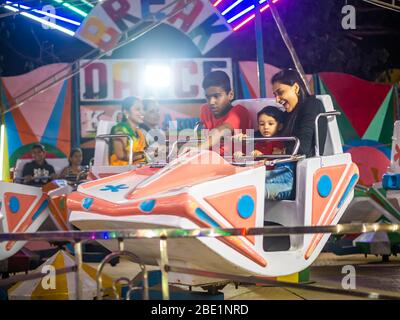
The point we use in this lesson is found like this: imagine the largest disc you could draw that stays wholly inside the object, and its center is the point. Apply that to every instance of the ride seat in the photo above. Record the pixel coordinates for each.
(101, 165)
(333, 144)
(291, 212)
(102, 147)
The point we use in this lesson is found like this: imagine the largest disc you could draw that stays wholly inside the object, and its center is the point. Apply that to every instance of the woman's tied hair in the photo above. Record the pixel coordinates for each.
(127, 104)
(290, 77)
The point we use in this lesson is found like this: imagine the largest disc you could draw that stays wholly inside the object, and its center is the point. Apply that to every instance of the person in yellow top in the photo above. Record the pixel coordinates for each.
(132, 110)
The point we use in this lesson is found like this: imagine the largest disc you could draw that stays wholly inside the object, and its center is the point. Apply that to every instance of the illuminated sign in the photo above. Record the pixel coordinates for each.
(179, 79)
(106, 23)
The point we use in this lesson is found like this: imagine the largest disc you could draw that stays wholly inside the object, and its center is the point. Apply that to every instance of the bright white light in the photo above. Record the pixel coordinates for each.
(45, 13)
(2, 140)
(241, 13)
(231, 7)
(48, 23)
(11, 8)
(157, 76)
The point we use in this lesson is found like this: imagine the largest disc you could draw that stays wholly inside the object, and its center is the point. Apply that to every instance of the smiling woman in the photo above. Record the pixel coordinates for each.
(302, 111)
(132, 109)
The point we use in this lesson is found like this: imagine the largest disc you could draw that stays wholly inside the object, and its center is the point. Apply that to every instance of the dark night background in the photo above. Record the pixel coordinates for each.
(314, 27)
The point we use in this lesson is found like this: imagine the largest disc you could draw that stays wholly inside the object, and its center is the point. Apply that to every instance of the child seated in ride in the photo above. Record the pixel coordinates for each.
(279, 182)
(270, 122)
(75, 173)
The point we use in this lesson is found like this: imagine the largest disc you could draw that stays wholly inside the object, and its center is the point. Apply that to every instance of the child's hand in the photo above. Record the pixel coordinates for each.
(239, 137)
(278, 151)
(256, 153)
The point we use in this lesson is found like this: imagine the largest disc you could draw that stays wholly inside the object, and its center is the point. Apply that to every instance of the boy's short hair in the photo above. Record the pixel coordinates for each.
(148, 102)
(273, 112)
(217, 79)
(38, 146)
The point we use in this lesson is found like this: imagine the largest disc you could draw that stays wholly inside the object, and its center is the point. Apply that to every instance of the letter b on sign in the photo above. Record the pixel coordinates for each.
(349, 20)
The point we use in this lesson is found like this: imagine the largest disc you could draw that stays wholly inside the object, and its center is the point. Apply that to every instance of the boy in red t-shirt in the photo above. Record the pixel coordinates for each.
(218, 114)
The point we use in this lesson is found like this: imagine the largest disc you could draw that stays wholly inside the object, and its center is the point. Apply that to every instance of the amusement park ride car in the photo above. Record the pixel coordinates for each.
(193, 192)
(199, 189)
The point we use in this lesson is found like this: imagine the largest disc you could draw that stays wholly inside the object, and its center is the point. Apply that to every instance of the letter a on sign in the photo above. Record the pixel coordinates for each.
(349, 280)
(349, 20)
(49, 280)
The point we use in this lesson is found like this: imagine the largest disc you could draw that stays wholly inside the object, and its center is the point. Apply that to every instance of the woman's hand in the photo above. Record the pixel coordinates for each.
(138, 156)
(276, 150)
(81, 175)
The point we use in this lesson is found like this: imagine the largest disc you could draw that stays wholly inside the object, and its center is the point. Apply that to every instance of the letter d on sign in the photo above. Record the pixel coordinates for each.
(49, 281)
(349, 20)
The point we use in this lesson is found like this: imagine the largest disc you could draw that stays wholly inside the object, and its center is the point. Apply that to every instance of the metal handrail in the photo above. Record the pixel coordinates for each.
(109, 136)
(324, 114)
(295, 148)
(194, 233)
(196, 127)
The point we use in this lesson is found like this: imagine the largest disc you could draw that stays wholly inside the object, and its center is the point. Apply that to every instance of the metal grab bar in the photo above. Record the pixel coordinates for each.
(295, 139)
(294, 158)
(110, 136)
(294, 152)
(324, 114)
(130, 256)
(196, 128)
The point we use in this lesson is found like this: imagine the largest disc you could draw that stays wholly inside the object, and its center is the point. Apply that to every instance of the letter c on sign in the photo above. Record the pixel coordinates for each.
(179, 91)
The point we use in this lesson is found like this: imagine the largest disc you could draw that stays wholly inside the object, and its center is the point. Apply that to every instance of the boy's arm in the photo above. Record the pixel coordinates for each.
(52, 173)
(215, 136)
(27, 173)
(237, 119)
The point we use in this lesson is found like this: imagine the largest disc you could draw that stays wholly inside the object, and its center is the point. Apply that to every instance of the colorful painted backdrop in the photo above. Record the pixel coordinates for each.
(46, 118)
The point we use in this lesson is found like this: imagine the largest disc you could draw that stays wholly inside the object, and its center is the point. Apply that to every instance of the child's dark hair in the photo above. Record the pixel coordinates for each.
(71, 154)
(39, 146)
(290, 77)
(273, 112)
(217, 79)
(126, 105)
